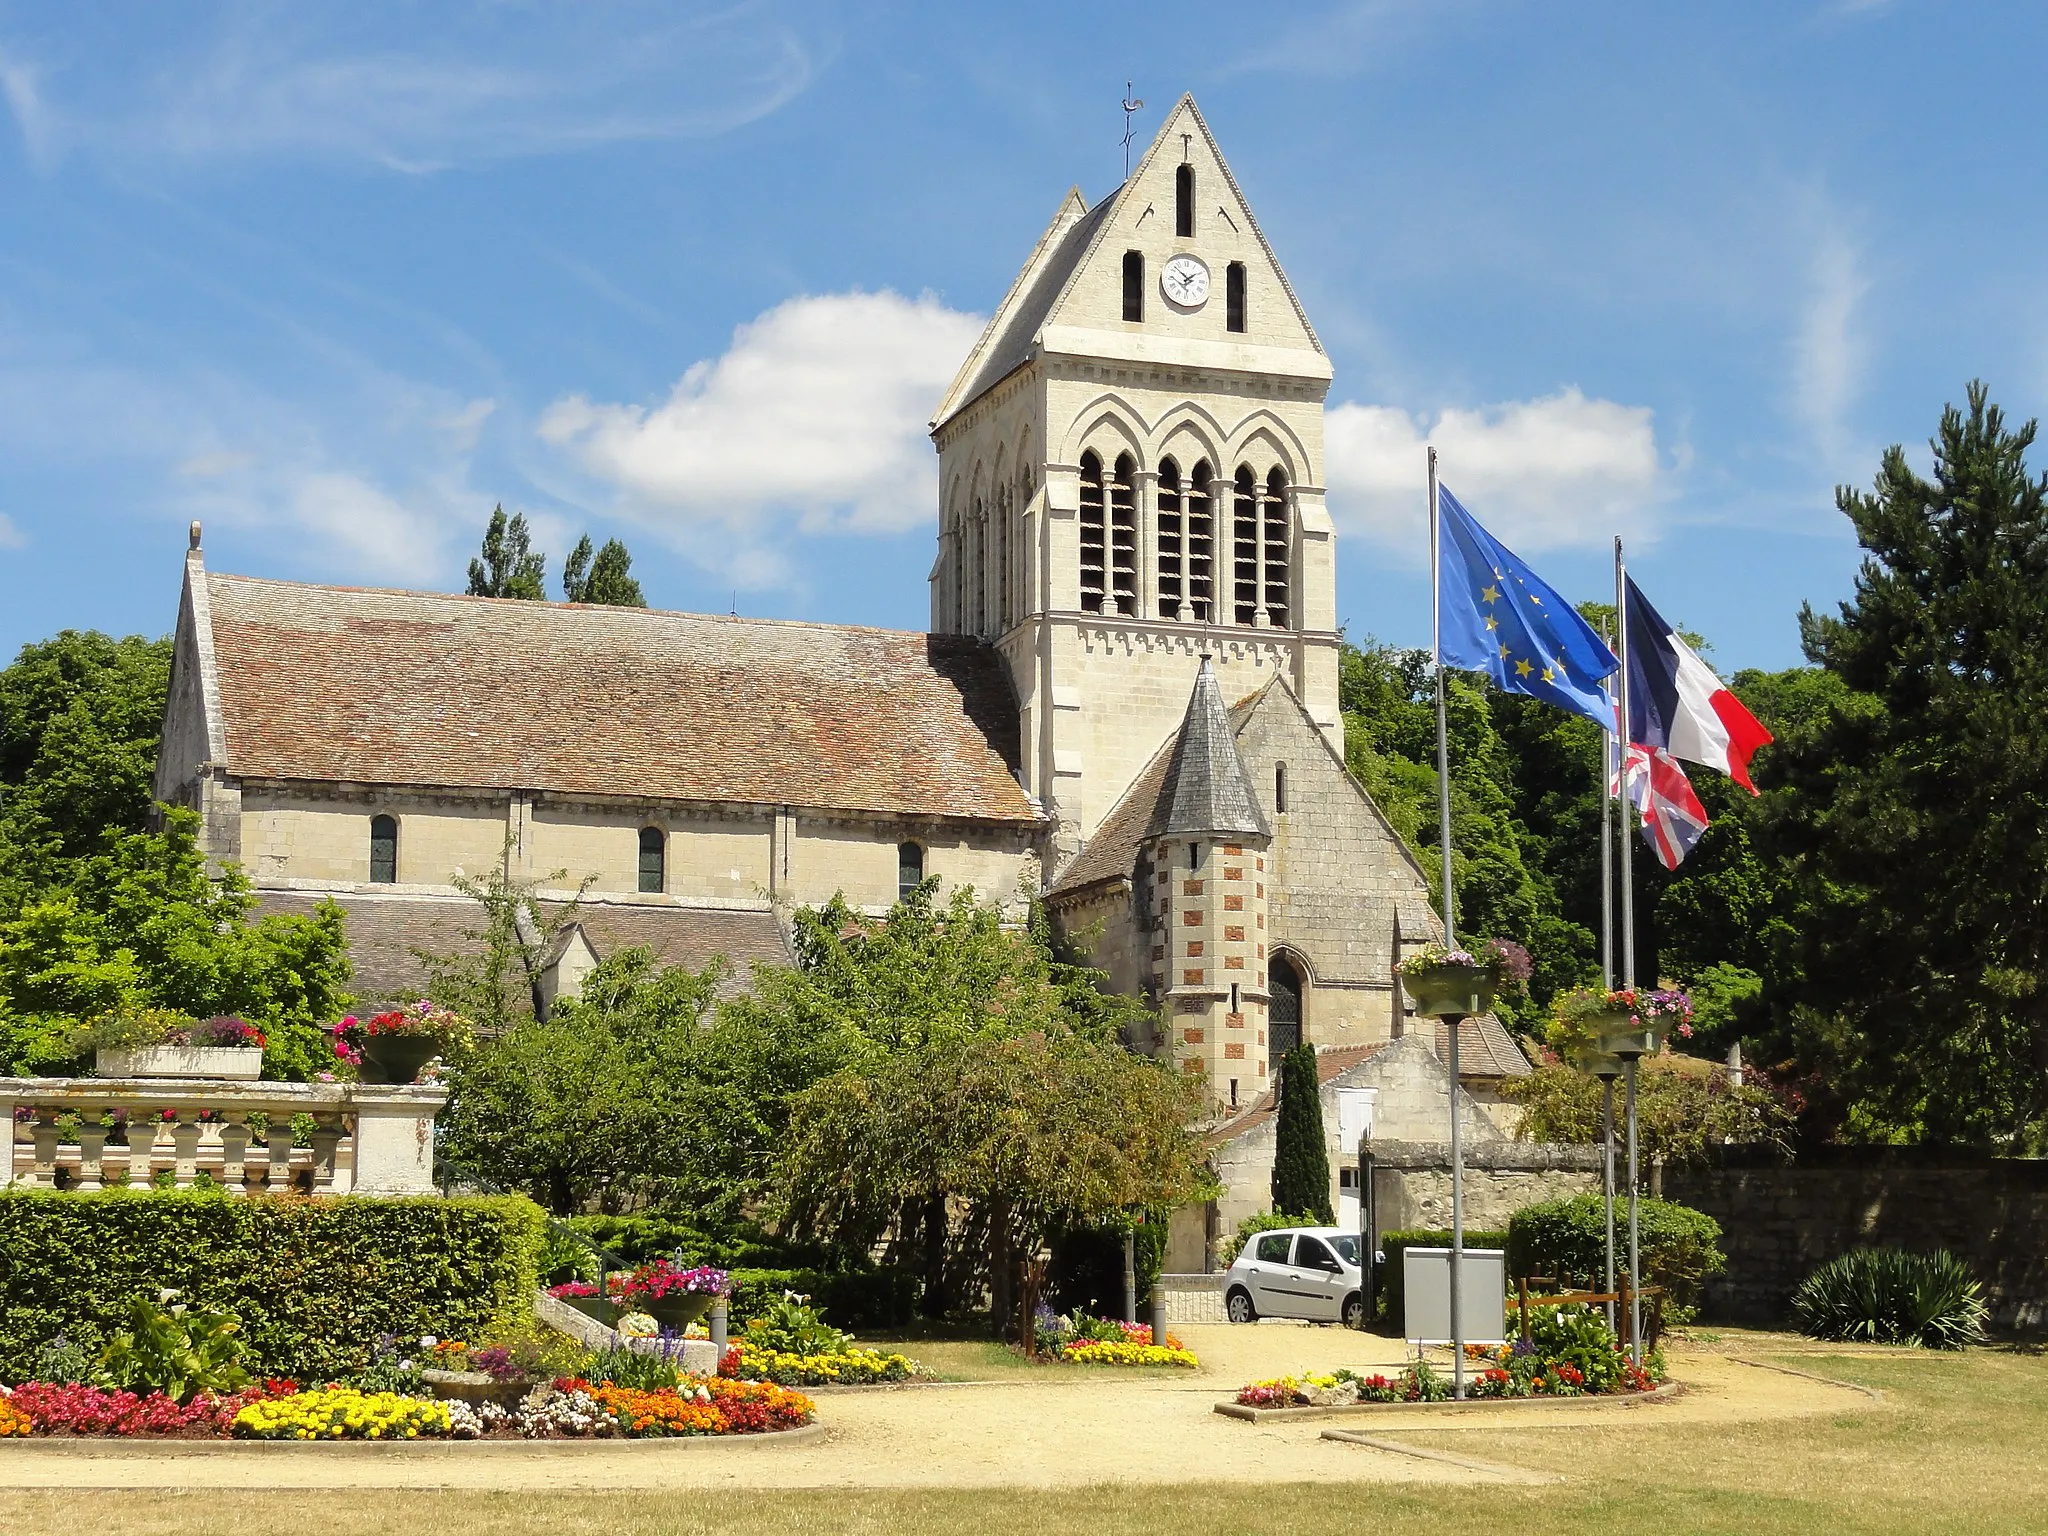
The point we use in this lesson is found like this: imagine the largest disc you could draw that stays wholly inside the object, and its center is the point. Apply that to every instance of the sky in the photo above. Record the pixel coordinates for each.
(336, 279)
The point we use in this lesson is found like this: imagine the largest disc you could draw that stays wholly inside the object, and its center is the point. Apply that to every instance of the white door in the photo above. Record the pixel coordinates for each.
(1271, 1274)
(1319, 1279)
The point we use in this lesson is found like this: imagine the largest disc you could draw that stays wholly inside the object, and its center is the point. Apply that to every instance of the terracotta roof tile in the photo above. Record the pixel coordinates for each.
(379, 687)
(1484, 1048)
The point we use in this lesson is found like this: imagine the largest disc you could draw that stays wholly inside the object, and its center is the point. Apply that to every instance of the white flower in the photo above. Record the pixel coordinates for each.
(167, 1295)
(428, 1341)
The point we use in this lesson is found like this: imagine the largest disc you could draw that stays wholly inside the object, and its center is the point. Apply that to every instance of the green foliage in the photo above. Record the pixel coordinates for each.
(1887, 1296)
(632, 1368)
(509, 566)
(61, 1361)
(174, 1350)
(609, 581)
(861, 1298)
(790, 1325)
(1251, 1226)
(565, 1256)
(313, 1282)
(1684, 1107)
(1087, 1270)
(1566, 1240)
(1577, 1336)
(1301, 1163)
(1392, 1284)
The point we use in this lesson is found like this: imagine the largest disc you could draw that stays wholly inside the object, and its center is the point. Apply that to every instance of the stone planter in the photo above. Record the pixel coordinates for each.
(1619, 1033)
(1451, 991)
(1595, 1062)
(677, 1310)
(219, 1063)
(474, 1387)
(397, 1058)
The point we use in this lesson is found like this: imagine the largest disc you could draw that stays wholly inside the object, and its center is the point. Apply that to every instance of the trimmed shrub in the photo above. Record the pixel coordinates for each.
(1567, 1241)
(1301, 1163)
(1392, 1286)
(855, 1298)
(312, 1282)
(1887, 1296)
(1252, 1226)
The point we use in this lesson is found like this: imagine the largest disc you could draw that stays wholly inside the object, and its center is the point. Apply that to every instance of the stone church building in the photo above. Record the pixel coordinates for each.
(1127, 703)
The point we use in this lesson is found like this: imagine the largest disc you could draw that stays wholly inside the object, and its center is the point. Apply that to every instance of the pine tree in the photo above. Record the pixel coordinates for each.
(608, 581)
(509, 566)
(1301, 1164)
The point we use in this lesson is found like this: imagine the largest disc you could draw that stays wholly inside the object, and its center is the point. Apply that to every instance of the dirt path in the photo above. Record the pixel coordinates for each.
(1014, 1434)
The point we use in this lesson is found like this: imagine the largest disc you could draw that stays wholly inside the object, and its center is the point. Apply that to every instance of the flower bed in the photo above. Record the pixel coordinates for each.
(1080, 1339)
(846, 1368)
(342, 1413)
(1102, 1352)
(74, 1409)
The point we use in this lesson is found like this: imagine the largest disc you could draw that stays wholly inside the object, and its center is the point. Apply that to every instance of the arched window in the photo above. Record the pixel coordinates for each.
(959, 573)
(1123, 534)
(1280, 789)
(1201, 537)
(1134, 285)
(383, 850)
(1094, 541)
(1244, 545)
(909, 869)
(1184, 201)
(1172, 548)
(980, 578)
(653, 859)
(1002, 558)
(1275, 557)
(1233, 297)
(1283, 1009)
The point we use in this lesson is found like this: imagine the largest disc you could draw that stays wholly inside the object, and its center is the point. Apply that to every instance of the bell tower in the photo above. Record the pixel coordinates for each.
(1131, 478)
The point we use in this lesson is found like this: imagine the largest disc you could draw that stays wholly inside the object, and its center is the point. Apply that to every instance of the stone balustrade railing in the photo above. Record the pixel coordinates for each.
(364, 1140)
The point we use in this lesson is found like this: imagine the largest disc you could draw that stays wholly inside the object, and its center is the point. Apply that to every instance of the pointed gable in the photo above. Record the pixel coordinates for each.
(1207, 787)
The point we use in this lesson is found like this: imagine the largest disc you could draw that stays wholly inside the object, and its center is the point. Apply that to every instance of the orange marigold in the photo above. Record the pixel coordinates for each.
(13, 1421)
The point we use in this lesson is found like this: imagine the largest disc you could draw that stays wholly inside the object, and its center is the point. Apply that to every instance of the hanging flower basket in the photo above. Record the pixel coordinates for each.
(1627, 1023)
(1460, 983)
(1594, 1062)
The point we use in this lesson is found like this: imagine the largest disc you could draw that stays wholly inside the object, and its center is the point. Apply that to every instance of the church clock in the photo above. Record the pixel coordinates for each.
(1185, 282)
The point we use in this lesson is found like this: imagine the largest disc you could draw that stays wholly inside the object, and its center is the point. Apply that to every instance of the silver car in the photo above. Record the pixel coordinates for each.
(1309, 1272)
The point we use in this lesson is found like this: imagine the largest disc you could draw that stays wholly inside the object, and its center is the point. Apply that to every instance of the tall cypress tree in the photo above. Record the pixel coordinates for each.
(1301, 1164)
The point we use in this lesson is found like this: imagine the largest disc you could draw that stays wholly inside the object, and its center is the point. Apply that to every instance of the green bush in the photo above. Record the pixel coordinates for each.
(1566, 1240)
(175, 1351)
(1391, 1288)
(1252, 1226)
(858, 1298)
(312, 1282)
(1887, 1296)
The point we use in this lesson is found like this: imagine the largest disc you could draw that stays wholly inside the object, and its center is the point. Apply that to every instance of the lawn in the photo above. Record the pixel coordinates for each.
(1954, 1447)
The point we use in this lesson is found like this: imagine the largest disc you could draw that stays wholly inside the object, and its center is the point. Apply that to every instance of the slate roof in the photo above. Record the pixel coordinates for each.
(1485, 1049)
(382, 687)
(1207, 787)
(384, 932)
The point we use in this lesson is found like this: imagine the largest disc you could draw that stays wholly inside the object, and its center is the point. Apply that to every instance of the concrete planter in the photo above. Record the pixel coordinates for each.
(225, 1063)
(475, 1387)
(1451, 991)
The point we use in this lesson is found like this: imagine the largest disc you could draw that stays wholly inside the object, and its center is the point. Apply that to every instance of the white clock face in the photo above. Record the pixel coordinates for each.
(1185, 281)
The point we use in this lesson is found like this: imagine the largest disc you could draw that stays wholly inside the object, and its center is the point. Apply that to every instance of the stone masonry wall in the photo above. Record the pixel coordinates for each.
(1779, 1222)
(1411, 1181)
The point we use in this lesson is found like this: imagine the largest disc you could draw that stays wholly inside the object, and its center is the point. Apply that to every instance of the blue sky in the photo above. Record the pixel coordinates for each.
(337, 278)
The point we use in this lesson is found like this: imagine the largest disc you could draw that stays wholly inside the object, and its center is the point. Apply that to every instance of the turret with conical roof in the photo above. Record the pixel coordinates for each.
(1206, 848)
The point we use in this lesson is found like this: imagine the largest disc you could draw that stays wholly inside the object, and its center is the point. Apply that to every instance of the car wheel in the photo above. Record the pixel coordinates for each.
(1354, 1311)
(1238, 1307)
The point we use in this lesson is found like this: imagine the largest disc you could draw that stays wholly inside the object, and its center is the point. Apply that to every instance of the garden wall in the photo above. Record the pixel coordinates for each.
(1411, 1181)
(1779, 1221)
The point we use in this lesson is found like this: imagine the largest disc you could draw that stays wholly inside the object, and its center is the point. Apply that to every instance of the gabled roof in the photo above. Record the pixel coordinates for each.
(347, 684)
(1207, 787)
(1034, 300)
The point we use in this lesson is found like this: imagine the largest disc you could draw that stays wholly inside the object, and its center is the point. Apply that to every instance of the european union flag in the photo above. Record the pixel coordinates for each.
(1499, 617)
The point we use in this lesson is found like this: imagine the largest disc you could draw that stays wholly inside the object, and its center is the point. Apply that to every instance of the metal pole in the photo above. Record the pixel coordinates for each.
(1606, 861)
(1635, 1272)
(1628, 892)
(1455, 1022)
(1443, 829)
(1130, 1277)
(1607, 1185)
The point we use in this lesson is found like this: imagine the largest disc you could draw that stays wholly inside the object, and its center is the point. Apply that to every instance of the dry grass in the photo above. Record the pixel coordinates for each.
(1955, 1447)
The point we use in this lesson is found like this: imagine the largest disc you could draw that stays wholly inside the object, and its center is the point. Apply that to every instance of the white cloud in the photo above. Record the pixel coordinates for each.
(1828, 352)
(467, 84)
(1557, 472)
(815, 417)
(11, 537)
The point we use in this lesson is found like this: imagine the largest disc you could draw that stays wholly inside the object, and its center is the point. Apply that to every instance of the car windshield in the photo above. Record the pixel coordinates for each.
(1346, 1246)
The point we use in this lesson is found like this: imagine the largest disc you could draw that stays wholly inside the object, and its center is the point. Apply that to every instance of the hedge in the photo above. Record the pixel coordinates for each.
(1567, 1240)
(1392, 1244)
(314, 1282)
(851, 1298)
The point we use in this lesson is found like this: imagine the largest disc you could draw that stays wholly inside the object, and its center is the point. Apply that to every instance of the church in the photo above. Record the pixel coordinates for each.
(1126, 704)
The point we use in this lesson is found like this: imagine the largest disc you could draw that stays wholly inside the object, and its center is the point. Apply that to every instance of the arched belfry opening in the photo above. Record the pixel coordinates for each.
(1283, 1008)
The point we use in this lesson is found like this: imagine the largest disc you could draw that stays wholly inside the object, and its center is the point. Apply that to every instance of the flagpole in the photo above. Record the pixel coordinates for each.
(1443, 830)
(1608, 739)
(1628, 966)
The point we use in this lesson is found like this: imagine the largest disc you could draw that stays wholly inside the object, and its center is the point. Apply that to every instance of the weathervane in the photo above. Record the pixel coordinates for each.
(1131, 104)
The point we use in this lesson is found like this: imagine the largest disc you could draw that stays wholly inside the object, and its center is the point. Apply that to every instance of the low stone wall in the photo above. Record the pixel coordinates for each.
(1779, 1221)
(1411, 1181)
(1193, 1298)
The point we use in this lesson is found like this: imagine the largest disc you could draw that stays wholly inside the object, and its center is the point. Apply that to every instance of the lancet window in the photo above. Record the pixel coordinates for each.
(1094, 535)
(1123, 534)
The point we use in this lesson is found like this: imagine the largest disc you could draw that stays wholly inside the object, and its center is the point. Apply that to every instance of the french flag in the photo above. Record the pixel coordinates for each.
(1677, 704)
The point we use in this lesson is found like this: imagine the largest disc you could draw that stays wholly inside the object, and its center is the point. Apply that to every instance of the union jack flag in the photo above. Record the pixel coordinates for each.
(1673, 817)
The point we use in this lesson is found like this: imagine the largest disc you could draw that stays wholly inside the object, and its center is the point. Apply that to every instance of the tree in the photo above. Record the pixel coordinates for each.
(609, 581)
(1037, 1133)
(1917, 810)
(1301, 1163)
(493, 978)
(1684, 1106)
(509, 566)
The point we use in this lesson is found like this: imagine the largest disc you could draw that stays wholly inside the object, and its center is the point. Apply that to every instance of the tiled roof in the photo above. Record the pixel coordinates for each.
(1330, 1065)
(1207, 788)
(380, 687)
(1484, 1048)
(384, 933)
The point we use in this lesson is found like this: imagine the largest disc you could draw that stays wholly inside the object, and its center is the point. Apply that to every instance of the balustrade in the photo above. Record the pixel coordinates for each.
(89, 1133)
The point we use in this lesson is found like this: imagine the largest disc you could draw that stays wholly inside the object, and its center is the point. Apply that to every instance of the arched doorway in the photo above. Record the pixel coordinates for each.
(1283, 1009)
